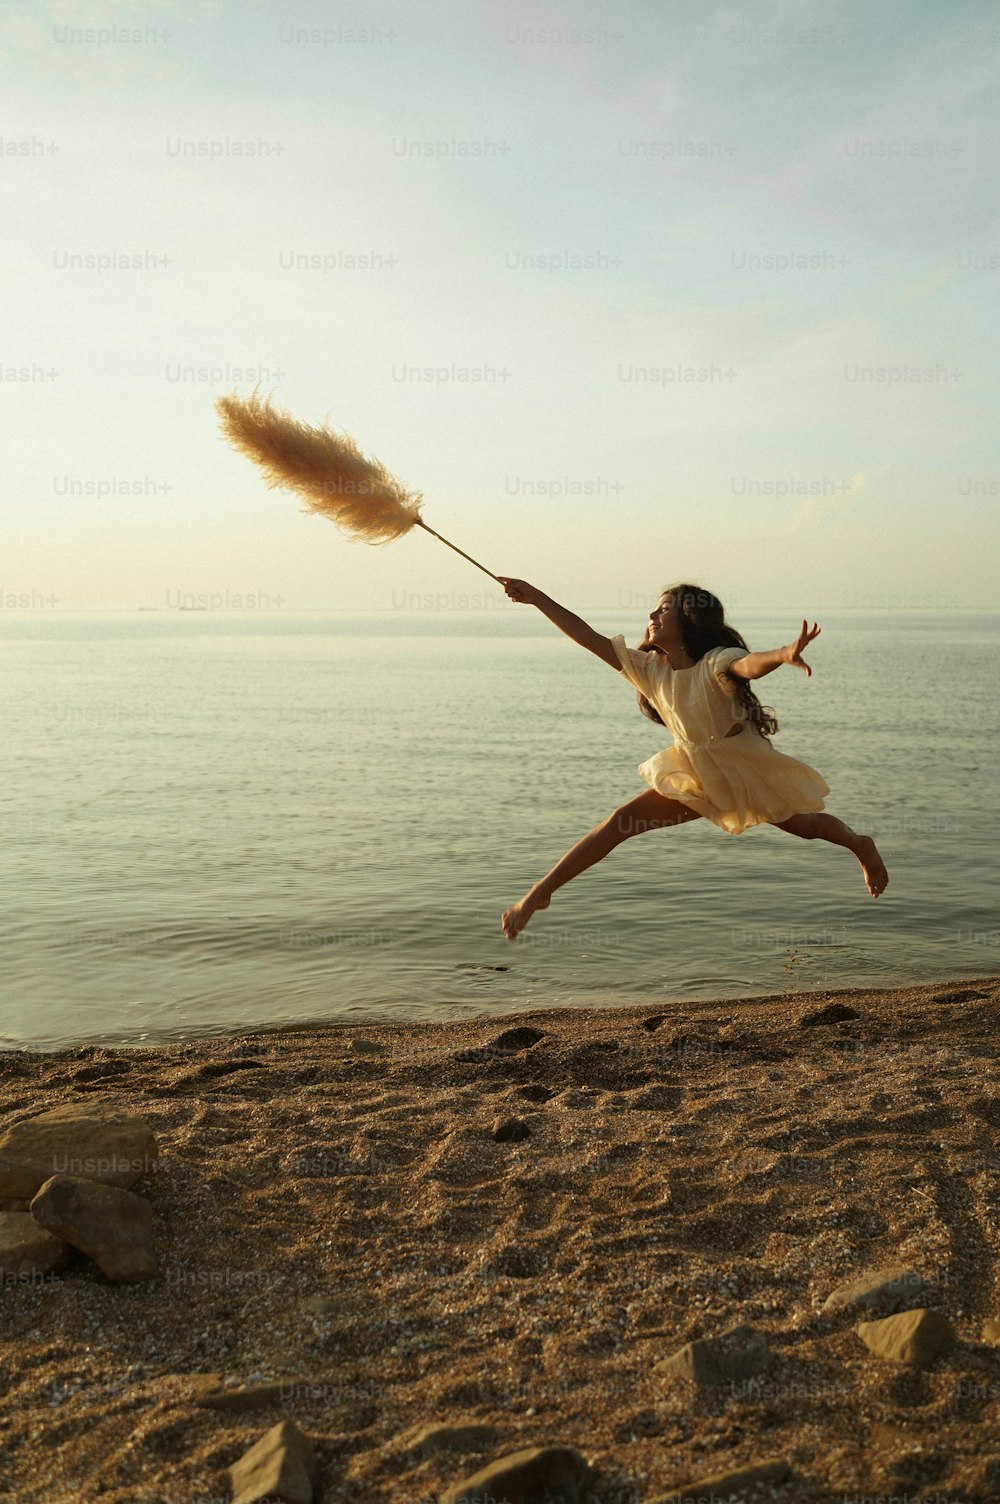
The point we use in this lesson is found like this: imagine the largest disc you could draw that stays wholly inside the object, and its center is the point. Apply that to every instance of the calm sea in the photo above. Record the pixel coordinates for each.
(214, 823)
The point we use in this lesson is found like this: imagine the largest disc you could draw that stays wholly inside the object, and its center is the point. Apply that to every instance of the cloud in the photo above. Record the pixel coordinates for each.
(842, 508)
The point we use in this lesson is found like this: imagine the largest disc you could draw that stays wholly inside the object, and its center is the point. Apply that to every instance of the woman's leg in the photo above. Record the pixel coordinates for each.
(821, 827)
(648, 811)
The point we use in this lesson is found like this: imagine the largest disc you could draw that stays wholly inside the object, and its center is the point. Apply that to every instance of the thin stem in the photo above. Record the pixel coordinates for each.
(421, 523)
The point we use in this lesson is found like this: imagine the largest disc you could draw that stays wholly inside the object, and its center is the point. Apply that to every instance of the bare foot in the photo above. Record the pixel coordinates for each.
(517, 916)
(872, 865)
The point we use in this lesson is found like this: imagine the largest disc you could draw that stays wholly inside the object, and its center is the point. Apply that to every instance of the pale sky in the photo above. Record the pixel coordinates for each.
(727, 276)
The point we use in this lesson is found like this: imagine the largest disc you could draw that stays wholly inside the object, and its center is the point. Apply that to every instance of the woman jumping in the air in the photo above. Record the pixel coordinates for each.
(692, 673)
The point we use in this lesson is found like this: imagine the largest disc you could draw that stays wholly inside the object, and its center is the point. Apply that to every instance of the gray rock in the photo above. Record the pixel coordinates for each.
(27, 1251)
(89, 1140)
(885, 1290)
(913, 1337)
(537, 1475)
(720, 1487)
(281, 1465)
(734, 1355)
(111, 1226)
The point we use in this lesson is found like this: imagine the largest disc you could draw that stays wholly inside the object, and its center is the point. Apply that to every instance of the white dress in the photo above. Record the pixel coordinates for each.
(734, 781)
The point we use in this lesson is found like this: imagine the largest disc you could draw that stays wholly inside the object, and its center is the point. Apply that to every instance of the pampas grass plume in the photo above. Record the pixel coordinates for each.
(325, 469)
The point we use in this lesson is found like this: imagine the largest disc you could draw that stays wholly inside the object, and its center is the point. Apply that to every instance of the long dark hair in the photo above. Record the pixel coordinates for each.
(702, 621)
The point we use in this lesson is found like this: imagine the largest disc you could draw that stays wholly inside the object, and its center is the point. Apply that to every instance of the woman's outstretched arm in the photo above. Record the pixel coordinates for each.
(573, 626)
(756, 665)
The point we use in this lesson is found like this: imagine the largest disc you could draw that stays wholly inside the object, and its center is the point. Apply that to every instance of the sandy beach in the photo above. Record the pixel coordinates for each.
(510, 1222)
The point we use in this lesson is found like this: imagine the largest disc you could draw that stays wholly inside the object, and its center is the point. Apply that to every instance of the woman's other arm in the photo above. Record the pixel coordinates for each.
(756, 665)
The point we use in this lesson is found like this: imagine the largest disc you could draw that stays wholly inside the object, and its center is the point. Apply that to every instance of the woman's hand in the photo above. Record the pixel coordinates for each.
(520, 590)
(794, 649)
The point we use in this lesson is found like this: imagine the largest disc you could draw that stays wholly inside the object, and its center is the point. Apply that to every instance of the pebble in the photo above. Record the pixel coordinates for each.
(468, 1436)
(736, 1354)
(249, 1397)
(281, 1465)
(537, 1475)
(885, 1289)
(721, 1487)
(913, 1337)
